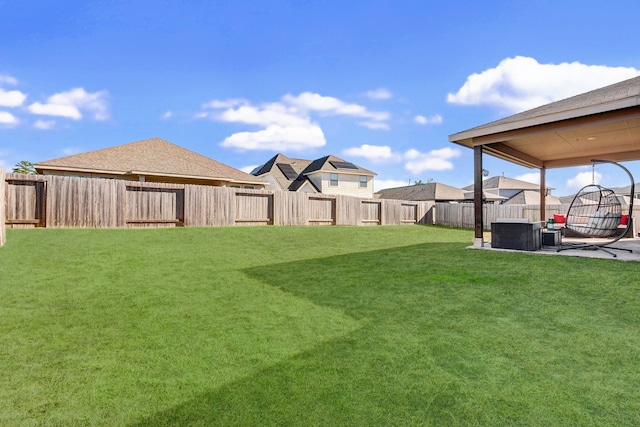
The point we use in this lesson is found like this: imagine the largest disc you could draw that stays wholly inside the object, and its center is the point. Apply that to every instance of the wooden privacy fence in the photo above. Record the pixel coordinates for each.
(461, 215)
(62, 201)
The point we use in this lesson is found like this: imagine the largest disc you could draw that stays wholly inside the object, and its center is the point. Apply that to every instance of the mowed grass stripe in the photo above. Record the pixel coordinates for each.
(324, 326)
(114, 328)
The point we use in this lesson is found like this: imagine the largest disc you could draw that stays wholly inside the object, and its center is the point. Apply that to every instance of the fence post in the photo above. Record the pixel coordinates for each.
(3, 207)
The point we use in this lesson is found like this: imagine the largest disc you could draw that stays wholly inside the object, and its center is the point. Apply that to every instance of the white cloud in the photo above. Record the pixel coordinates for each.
(436, 160)
(521, 83)
(532, 177)
(11, 98)
(332, 106)
(416, 161)
(44, 124)
(375, 125)
(8, 119)
(374, 153)
(68, 111)
(433, 120)
(582, 179)
(227, 103)
(6, 79)
(277, 138)
(287, 124)
(270, 114)
(381, 184)
(380, 93)
(167, 115)
(72, 103)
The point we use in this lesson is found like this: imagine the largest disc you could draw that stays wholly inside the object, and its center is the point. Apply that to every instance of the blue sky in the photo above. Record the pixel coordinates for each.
(380, 83)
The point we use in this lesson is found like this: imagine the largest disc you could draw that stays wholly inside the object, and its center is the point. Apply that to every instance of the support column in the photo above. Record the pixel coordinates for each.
(543, 194)
(477, 197)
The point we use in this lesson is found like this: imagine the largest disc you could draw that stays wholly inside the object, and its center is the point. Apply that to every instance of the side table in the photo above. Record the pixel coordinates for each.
(552, 237)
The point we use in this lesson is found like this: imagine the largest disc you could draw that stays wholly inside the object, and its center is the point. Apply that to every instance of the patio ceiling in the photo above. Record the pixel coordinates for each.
(602, 124)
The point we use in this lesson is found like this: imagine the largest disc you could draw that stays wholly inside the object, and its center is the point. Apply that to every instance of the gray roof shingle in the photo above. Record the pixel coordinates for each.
(152, 156)
(430, 191)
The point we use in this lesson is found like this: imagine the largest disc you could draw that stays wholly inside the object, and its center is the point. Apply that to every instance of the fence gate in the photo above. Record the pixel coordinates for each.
(322, 211)
(154, 207)
(371, 212)
(408, 213)
(25, 203)
(254, 208)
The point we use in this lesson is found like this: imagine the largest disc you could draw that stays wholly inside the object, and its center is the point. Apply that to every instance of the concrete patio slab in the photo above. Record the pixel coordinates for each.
(617, 248)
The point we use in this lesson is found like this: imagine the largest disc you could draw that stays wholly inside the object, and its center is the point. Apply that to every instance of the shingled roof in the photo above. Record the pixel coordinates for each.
(530, 197)
(302, 168)
(619, 95)
(600, 124)
(430, 191)
(275, 166)
(504, 183)
(152, 157)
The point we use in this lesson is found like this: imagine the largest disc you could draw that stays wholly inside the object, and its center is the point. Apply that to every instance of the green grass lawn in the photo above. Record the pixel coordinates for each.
(250, 326)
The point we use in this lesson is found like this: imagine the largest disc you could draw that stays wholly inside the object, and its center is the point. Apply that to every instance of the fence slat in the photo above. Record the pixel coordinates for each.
(291, 208)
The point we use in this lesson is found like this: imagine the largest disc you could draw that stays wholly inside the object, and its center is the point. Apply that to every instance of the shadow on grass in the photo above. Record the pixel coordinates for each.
(452, 337)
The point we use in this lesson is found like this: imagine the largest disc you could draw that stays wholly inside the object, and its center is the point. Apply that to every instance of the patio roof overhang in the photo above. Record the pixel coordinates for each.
(600, 124)
(563, 138)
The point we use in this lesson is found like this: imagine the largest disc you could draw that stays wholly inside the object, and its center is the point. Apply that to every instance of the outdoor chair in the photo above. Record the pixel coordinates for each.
(596, 212)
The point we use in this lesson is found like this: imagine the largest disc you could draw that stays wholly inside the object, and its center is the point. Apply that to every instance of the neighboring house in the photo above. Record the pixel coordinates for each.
(281, 171)
(487, 196)
(623, 194)
(500, 188)
(432, 191)
(530, 197)
(328, 175)
(150, 160)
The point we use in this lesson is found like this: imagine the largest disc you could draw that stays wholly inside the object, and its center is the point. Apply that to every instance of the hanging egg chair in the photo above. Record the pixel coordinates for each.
(596, 212)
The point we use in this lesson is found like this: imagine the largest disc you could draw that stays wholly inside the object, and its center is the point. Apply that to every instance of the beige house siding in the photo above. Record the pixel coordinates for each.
(272, 182)
(348, 185)
(307, 188)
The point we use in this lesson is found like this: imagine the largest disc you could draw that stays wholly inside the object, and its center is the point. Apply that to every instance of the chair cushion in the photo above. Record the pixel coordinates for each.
(600, 224)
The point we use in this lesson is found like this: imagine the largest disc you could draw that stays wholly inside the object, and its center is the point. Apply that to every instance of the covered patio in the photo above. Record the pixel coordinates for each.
(600, 124)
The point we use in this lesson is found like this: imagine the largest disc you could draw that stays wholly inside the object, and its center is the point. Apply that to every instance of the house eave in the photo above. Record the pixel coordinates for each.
(43, 167)
(342, 172)
(466, 137)
(204, 178)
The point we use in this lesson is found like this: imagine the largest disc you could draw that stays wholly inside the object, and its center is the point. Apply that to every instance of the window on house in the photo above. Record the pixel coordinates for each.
(363, 181)
(333, 180)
